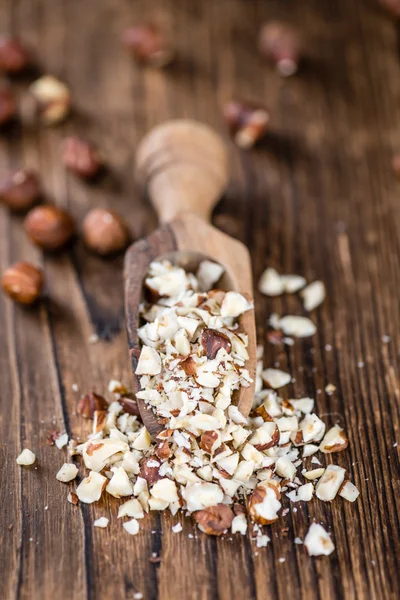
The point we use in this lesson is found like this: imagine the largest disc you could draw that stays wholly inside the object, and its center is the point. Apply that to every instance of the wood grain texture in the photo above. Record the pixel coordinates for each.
(317, 197)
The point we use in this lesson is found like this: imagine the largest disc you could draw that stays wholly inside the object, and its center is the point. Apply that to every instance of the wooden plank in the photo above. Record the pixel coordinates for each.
(317, 197)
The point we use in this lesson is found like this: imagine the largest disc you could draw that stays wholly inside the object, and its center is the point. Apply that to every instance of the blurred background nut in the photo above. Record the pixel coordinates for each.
(392, 6)
(53, 99)
(21, 190)
(148, 44)
(13, 56)
(80, 157)
(104, 231)
(89, 404)
(23, 282)
(280, 44)
(49, 227)
(248, 123)
(396, 165)
(8, 107)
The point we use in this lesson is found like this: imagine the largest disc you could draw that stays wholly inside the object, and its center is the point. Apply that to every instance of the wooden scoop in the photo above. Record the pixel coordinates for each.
(184, 167)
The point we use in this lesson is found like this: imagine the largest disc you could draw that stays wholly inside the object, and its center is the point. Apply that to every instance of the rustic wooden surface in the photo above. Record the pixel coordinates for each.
(316, 198)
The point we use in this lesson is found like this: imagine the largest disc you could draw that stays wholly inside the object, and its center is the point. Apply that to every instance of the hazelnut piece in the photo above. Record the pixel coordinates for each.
(89, 404)
(213, 340)
(53, 99)
(21, 190)
(214, 520)
(280, 44)
(23, 282)
(104, 231)
(13, 56)
(49, 227)
(8, 107)
(148, 44)
(80, 157)
(149, 470)
(247, 122)
(129, 405)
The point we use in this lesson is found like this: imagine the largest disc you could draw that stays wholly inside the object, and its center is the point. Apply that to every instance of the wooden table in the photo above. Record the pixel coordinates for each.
(316, 198)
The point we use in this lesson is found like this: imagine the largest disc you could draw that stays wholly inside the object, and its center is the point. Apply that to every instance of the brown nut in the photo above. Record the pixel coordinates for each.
(149, 473)
(148, 44)
(213, 340)
(80, 157)
(89, 404)
(21, 190)
(189, 366)
(13, 56)
(8, 107)
(53, 99)
(104, 231)
(129, 405)
(247, 122)
(392, 6)
(163, 451)
(280, 43)
(263, 504)
(49, 227)
(209, 440)
(214, 520)
(23, 282)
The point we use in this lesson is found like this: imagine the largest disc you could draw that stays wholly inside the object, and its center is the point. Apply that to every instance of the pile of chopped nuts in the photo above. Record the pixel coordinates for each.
(209, 460)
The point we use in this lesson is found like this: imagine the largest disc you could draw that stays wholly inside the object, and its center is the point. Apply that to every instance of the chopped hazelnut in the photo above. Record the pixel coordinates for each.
(21, 190)
(104, 231)
(149, 470)
(13, 56)
(214, 520)
(212, 341)
(129, 405)
(247, 122)
(102, 522)
(148, 44)
(67, 473)
(23, 282)
(89, 404)
(80, 157)
(26, 458)
(330, 483)
(280, 44)
(317, 541)
(263, 504)
(49, 227)
(335, 440)
(90, 489)
(52, 98)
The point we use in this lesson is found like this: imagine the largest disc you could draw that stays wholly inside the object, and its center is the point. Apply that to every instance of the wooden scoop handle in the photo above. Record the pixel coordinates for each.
(183, 164)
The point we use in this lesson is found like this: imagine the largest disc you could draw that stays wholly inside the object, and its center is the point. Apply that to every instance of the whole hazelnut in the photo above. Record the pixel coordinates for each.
(8, 107)
(148, 44)
(23, 282)
(104, 231)
(21, 190)
(280, 44)
(49, 227)
(53, 99)
(392, 6)
(13, 56)
(247, 122)
(80, 157)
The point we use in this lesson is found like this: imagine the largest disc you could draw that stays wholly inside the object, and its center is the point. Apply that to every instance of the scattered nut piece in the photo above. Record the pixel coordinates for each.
(330, 388)
(235, 304)
(26, 458)
(149, 45)
(214, 520)
(317, 541)
(177, 528)
(280, 44)
(73, 498)
(349, 492)
(89, 404)
(271, 283)
(313, 295)
(263, 504)
(49, 227)
(330, 483)
(335, 440)
(21, 190)
(61, 440)
(67, 473)
(90, 489)
(131, 527)
(80, 157)
(52, 98)
(297, 326)
(105, 232)
(13, 56)
(314, 474)
(276, 378)
(23, 282)
(208, 274)
(102, 522)
(247, 122)
(239, 524)
(8, 107)
(131, 508)
(120, 484)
